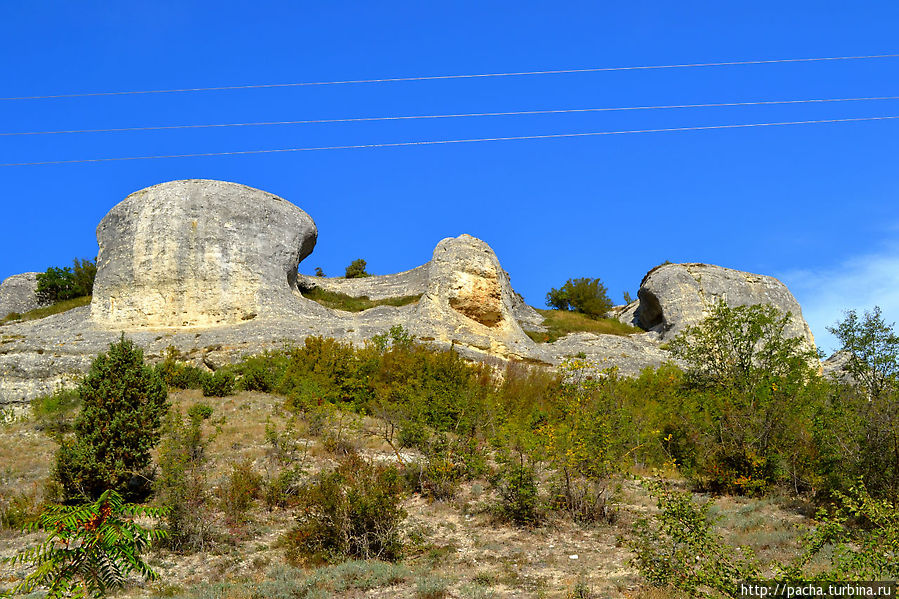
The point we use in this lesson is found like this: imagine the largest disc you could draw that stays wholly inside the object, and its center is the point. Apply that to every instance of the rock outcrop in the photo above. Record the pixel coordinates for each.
(210, 268)
(470, 301)
(198, 253)
(673, 297)
(18, 294)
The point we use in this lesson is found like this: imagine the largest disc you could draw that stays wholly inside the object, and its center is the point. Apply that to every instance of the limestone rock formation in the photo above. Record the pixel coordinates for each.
(18, 294)
(198, 253)
(375, 287)
(469, 299)
(673, 297)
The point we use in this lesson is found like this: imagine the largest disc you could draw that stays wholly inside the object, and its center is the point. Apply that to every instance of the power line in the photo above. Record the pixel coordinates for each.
(449, 116)
(442, 77)
(452, 141)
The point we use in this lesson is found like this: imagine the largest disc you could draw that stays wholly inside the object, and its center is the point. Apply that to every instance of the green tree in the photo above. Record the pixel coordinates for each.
(584, 295)
(748, 389)
(356, 269)
(873, 349)
(89, 550)
(123, 401)
(57, 284)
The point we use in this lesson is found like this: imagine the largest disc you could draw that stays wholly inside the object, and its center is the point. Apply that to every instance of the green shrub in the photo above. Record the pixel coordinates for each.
(237, 494)
(89, 549)
(55, 413)
(57, 284)
(218, 384)
(584, 295)
(352, 511)
(181, 484)
(356, 269)
(178, 374)
(123, 401)
(516, 484)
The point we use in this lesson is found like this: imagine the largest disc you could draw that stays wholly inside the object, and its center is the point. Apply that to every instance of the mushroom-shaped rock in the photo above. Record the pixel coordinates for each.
(198, 253)
(673, 297)
(18, 294)
(469, 299)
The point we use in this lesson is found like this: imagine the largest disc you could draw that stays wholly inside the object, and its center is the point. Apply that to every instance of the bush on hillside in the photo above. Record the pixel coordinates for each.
(352, 511)
(123, 402)
(356, 269)
(584, 295)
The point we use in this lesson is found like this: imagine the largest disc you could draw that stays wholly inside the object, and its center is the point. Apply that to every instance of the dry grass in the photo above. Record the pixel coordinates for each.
(454, 547)
(56, 308)
(561, 322)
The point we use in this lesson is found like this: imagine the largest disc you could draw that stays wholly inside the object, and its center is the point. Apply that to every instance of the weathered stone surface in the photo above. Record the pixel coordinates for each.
(17, 294)
(198, 253)
(626, 313)
(470, 301)
(629, 354)
(673, 297)
(375, 287)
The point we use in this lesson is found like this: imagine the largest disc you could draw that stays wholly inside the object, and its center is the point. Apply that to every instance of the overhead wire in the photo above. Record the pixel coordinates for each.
(445, 77)
(452, 141)
(447, 116)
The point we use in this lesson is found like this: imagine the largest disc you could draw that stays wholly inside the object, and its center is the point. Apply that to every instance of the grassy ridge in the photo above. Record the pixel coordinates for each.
(45, 311)
(348, 303)
(561, 322)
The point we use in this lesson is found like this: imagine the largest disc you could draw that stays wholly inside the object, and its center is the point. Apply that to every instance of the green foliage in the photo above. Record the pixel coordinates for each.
(873, 348)
(178, 374)
(559, 323)
(123, 401)
(352, 511)
(584, 295)
(239, 491)
(181, 484)
(356, 269)
(743, 348)
(349, 303)
(90, 549)
(57, 308)
(218, 384)
(55, 413)
(57, 284)
(319, 272)
(516, 484)
(749, 388)
(678, 548)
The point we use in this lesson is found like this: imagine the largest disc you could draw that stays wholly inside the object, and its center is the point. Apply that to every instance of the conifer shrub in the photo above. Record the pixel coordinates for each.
(516, 484)
(238, 493)
(585, 295)
(356, 269)
(352, 511)
(123, 402)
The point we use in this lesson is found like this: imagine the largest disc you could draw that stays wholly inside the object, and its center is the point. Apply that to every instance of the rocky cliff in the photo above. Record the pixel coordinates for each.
(210, 268)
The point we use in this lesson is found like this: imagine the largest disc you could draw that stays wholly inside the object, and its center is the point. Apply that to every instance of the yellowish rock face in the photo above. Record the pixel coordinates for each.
(478, 295)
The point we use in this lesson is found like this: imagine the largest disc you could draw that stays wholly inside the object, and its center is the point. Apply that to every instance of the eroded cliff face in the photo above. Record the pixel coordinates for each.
(210, 268)
(197, 253)
(18, 294)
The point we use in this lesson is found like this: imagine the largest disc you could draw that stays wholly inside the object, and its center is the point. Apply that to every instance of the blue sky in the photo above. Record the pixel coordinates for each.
(811, 204)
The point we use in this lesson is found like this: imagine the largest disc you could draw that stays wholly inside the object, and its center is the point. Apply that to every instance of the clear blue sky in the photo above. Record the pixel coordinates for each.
(812, 204)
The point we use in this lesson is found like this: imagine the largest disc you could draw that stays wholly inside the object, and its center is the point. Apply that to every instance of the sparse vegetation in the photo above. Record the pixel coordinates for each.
(562, 322)
(43, 312)
(348, 303)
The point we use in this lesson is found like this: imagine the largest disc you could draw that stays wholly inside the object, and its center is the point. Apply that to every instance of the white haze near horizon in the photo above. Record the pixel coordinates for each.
(859, 283)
